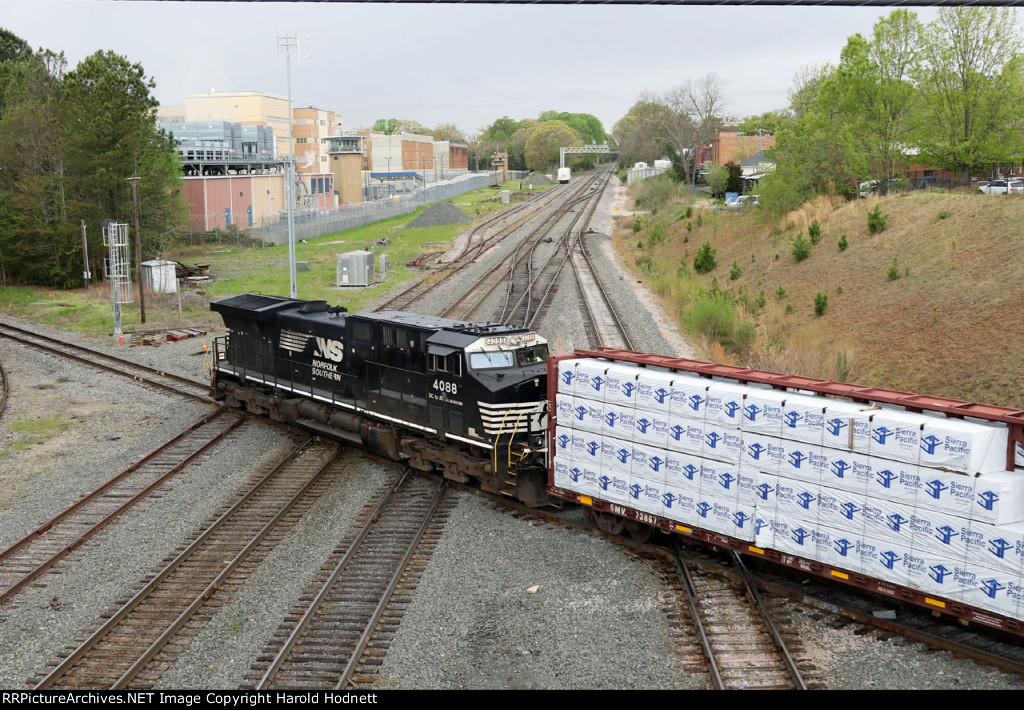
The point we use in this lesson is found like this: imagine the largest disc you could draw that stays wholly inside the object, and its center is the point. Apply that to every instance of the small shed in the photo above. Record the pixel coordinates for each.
(159, 276)
(355, 268)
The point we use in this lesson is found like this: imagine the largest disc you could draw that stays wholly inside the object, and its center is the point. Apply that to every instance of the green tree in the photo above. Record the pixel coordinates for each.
(972, 80)
(388, 126)
(542, 148)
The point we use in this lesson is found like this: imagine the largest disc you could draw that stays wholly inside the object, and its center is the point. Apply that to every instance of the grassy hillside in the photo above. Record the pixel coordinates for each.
(932, 304)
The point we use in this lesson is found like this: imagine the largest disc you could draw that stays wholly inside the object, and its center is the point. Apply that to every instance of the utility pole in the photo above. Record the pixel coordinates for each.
(85, 258)
(138, 244)
(288, 43)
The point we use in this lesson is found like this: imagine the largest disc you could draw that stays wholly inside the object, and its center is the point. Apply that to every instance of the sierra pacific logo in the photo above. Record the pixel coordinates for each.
(731, 408)
(568, 376)
(805, 500)
(988, 499)
(695, 401)
(703, 509)
(796, 458)
(849, 510)
(668, 499)
(676, 432)
(945, 534)
(592, 447)
(998, 547)
(739, 518)
(792, 419)
(886, 477)
(563, 441)
(763, 490)
(930, 443)
(751, 411)
(881, 434)
(840, 467)
(689, 470)
(660, 395)
(642, 425)
(605, 482)
(935, 488)
(755, 450)
(627, 389)
(623, 454)
(800, 535)
(655, 462)
(896, 522)
(329, 349)
(611, 418)
(842, 546)
(726, 480)
(991, 587)
(580, 412)
(939, 572)
(596, 382)
(575, 474)
(712, 438)
(836, 426)
(634, 490)
(888, 559)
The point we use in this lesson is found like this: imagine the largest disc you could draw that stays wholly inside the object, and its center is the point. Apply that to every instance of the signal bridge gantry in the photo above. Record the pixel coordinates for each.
(571, 150)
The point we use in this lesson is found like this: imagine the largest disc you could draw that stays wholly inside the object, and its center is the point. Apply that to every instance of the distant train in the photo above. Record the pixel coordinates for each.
(563, 175)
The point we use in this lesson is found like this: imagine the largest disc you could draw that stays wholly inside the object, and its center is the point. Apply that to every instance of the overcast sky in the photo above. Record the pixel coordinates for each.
(458, 63)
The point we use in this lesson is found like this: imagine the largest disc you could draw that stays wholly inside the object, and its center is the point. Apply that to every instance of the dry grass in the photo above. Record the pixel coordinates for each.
(949, 326)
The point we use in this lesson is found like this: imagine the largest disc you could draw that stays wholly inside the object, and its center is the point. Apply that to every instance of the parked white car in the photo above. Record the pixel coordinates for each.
(743, 201)
(1003, 187)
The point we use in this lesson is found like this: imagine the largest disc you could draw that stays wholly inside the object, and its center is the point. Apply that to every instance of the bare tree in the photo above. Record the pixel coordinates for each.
(692, 119)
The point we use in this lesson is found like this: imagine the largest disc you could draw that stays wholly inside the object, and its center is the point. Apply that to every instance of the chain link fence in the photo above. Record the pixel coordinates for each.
(318, 222)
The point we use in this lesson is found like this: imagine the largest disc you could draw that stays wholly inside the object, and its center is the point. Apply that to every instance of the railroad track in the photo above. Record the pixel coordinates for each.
(512, 279)
(476, 244)
(133, 646)
(322, 645)
(140, 373)
(26, 560)
(742, 643)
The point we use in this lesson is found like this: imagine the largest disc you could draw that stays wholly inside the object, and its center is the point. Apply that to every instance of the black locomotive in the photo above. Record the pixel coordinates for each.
(467, 399)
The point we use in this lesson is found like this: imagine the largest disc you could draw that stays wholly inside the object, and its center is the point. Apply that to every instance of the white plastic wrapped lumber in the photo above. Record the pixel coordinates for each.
(618, 421)
(590, 379)
(765, 490)
(688, 396)
(762, 411)
(965, 446)
(722, 443)
(995, 590)
(686, 436)
(651, 428)
(725, 404)
(848, 470)
(567, 375)
(887, 519)
(885, 559)
(999, 497)
(997, 546)
(840, 509)
(937, 534)
(788, 533)
(683, 471)
(805, 461)
(654, 390)
(797, 499)
(835, 547)
(803, 418)
(727, 517)
(620, 387)
(947, 492)
(762, 452)
(645, 494)
(680, 504)
(847, 426)
(719, 481)
(896, 435)
(894, 480)
(933, 573)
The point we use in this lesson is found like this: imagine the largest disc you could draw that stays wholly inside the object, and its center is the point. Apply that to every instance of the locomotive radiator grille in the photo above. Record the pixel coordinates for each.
(292, 341)
(525, 418)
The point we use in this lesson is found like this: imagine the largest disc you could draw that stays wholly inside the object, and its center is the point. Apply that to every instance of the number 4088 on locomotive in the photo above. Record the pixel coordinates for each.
(466, 399)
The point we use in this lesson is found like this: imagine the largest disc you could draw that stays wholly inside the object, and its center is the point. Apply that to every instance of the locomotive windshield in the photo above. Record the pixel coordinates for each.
(532, 355)
(487, 360)
(508, 358)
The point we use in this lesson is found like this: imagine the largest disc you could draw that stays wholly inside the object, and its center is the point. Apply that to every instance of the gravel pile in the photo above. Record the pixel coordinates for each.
(538, 179)
(440, 213)
(596, 620)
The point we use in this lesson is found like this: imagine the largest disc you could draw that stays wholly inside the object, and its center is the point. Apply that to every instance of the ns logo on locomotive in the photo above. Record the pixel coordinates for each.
(467, 399)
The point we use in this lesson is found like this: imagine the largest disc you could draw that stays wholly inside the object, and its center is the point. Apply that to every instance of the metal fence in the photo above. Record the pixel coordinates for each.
(318, 222)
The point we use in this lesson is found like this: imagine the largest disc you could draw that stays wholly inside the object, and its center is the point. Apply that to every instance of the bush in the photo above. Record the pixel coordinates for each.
(689, 211)
(744, 335)
(942, 215)
(780, 292)
(735, 272)
(637, 225)
(704, 262)
(711, 314)
(876, 220)
(893, 272)
(814, 232)
(843, 243)
(820, 303)
(801, 247)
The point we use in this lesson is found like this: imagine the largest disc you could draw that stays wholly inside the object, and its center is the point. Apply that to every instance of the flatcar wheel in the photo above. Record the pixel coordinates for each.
(638, 531)
(611, 524)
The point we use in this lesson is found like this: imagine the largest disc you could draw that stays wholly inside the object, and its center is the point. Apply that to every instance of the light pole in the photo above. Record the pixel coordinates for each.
(138, 245)
(289, 43)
